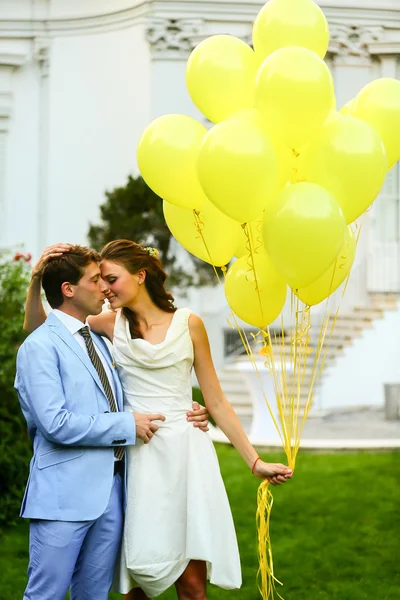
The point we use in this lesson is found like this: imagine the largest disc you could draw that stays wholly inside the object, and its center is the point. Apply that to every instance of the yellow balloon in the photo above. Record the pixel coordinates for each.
(323, 287)
(297, 157)
(221, 76)
(256, 296)
(167, 158)
(282, 23)
(251, 237)
(211, 236)
(294, 93)
(347, 109)
(303, 232)
(286, 164)
(333, 115)
(238, 168)
(349, 160)
(285, 155)
(378, 104)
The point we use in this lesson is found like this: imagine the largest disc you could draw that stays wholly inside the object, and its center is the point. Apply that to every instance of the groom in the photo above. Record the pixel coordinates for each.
(71, 398)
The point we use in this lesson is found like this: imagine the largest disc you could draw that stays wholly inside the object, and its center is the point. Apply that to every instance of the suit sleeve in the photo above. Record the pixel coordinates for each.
(40, 389)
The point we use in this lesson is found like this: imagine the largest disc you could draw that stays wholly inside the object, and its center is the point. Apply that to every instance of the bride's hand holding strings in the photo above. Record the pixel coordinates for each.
(276, 473)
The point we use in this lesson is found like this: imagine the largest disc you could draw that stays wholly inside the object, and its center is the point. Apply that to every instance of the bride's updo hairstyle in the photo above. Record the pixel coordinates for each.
(135, 258)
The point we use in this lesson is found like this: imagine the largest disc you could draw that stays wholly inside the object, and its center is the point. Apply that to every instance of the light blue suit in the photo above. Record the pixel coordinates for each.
(72, 496)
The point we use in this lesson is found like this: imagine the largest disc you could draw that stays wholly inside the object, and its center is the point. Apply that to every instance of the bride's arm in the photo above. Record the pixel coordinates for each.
(103, 324)
(35, 314)
(221, 410)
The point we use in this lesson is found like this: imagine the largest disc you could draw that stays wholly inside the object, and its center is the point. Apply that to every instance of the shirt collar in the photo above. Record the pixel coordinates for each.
(71, 323)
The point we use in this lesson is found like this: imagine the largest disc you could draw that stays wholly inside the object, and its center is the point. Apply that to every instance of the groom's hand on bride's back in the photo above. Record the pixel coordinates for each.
(145, 427)
(198, 416)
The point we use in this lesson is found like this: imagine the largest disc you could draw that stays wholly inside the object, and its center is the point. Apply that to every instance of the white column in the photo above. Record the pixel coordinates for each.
(42, 55)
(384, 268)
(6, 70)
(3, 216)
(350, 59)
(389, 65)
(171, 41)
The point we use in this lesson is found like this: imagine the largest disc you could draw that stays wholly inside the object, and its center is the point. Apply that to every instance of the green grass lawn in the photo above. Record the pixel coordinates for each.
(335, 530)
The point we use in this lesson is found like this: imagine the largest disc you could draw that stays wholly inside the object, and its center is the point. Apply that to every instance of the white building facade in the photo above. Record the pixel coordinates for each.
(79, 81)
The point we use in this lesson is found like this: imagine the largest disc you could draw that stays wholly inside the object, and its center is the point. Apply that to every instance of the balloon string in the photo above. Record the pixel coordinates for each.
(325, 333)
(288, 386)
(259, 240)
(251, 265)
(288, 397)
(199, 224)
(266, 577)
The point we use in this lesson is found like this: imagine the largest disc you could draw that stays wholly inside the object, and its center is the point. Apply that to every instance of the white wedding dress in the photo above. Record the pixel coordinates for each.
(177, 507)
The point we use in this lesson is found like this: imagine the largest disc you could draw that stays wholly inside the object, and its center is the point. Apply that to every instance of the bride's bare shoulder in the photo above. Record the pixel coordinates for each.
(103, 324)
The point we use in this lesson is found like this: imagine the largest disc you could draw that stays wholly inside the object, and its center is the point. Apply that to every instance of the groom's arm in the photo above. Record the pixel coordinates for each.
(40, 387)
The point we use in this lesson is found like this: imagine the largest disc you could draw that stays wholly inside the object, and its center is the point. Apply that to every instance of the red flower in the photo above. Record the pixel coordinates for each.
(19, 256)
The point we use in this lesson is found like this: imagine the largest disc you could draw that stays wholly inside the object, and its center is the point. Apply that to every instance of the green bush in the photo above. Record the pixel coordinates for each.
(15, 446)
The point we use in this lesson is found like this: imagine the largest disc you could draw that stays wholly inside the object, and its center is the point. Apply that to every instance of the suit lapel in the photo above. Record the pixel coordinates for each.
(62, 332)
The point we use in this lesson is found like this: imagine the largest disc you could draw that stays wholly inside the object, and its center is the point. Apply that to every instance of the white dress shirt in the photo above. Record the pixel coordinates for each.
(74, 325)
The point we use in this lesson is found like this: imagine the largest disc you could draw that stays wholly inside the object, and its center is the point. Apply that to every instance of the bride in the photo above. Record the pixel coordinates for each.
(178, 524)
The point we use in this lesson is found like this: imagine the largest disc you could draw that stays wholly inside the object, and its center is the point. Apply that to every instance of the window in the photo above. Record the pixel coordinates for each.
(387, 209)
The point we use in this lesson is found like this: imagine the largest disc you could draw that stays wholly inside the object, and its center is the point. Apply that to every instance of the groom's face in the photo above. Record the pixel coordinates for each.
(89, 292)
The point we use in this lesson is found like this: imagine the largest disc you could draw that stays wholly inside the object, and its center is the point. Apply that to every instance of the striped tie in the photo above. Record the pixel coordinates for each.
(98, 365)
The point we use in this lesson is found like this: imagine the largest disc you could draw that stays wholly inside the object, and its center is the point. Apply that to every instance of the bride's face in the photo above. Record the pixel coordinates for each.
(123, 287)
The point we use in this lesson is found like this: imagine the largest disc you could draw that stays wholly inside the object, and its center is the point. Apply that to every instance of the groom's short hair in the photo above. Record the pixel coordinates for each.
(69, 267)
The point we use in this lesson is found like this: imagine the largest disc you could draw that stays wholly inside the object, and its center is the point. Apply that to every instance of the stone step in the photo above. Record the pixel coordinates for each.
(243, 412)
(389, 306)
(231, 372)
(242, 408)
(237, 397)
(235, 387)
(314, 337)
(333, 340)
(385, 300)
(243, 405)
(303, 397)
(331, 346)
(373, 312)
(291, 382)
(347, 328)
(246, 423)
(355, 320)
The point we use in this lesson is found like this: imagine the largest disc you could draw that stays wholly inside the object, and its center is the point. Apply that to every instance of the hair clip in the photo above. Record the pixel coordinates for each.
(152, 251)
